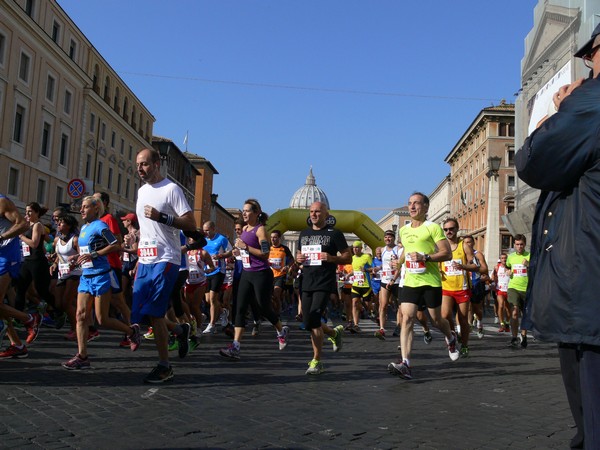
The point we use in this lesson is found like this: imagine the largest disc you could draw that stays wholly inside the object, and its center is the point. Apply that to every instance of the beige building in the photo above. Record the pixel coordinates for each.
(439, 202)
(66, 114)
(479, 195)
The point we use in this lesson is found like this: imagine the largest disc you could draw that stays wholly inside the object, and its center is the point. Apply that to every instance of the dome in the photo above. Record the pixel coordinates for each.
(308, 194)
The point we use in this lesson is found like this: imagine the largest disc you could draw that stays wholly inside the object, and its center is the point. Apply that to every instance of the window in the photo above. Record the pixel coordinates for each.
(68, 100)
(127, 188)
(510, 182)
(50, 83)
(511, 158)
(119, 182)
(60, 194)
(30, 7)
(103, 131)
(13, 181)
(88, 166)
(2, 48)
(24, 67)
(511, 129)
(92, 122)
(116, 101)
(55, 31)
(72, 49)
(99, 174)
(113, 138)
(122, 146)
(130, 152)
(106, 89)
(41, 191)
(64, 150)
(110, 177)
(46, 139)
(19, 124)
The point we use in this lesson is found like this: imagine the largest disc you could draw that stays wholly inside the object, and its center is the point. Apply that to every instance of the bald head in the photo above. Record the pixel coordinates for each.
(318, 214)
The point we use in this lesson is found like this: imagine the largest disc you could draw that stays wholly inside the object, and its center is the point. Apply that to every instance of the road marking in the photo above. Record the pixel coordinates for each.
(150, 392)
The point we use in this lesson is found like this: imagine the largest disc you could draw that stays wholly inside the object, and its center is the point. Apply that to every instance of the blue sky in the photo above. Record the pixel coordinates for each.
(372, 94)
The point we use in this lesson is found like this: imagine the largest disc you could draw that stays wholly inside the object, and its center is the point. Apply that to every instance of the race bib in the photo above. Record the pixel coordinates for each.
(85, 250)
(359, 277)
(63, 270)
(245, 258)
(194, 276)
(125, 257)
(312, 254)
(276, 263)
(519, 270)
(25, 249)
(387, 276)
(414, 267)
(450, 268)
(503, 284)
(147, 251)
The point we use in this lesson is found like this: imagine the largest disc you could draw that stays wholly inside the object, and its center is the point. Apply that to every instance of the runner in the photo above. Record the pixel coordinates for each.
(362, 268)
(424, 246)
(12, 225)
(501, 277)
(479, 282)
(456, 282)
(95, 242)
(256, 282)
(162, 210)
(375, 285)
(219, 249)
(318, 249)
(389, 282)
(518, 264)
(280, 259)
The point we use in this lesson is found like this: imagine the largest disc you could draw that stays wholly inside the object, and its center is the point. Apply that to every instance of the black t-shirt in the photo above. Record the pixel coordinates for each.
(323, 277)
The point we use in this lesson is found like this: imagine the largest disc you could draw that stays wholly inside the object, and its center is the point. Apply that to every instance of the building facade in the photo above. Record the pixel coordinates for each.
(66, 114)
(475, 190)
(439, 202)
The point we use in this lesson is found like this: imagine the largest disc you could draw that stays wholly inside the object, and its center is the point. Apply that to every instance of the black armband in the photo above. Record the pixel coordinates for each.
(167, 219)
(196, 236)
(264, 247)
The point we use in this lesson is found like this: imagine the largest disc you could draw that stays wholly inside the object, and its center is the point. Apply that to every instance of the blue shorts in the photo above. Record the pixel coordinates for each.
(95, 285)
(152, 290)
(376, 286)
(116, 280)
(10, 260)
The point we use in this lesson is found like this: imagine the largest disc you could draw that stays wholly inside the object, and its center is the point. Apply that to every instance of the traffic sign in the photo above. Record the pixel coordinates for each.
(75, 188)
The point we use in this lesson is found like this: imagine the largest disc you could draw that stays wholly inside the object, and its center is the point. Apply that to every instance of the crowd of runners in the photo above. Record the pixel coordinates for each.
(154, 268)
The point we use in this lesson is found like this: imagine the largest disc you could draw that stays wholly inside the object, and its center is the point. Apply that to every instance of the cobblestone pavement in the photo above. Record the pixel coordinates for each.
(496, 398)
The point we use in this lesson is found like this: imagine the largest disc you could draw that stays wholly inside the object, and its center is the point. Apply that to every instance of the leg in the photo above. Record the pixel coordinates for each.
(569, 367)
(409, 313)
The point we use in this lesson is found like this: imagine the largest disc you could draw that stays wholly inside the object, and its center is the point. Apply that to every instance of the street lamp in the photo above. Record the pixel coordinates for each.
(492, 238)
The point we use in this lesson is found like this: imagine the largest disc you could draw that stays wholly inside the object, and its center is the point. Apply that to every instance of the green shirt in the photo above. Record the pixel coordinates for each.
(360, 264)
(519, 278)
(423, 240)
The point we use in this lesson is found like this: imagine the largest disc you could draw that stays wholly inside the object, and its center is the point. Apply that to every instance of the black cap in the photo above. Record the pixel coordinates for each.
(589, 45)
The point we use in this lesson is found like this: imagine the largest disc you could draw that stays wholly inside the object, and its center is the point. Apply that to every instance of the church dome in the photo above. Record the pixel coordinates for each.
(308, 194)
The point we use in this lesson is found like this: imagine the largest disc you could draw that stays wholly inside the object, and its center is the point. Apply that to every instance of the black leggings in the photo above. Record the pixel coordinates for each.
(255, 289)
(176, 293)
(38, 272)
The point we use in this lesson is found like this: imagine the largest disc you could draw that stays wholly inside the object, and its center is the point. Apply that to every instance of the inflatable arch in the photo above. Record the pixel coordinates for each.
(292, 219)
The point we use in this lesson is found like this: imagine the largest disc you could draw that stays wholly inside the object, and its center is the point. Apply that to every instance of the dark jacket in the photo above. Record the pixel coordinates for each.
(562, 159)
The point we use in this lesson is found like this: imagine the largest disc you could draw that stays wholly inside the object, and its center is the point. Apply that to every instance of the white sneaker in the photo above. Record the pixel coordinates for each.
(284, 338)
(210, 329)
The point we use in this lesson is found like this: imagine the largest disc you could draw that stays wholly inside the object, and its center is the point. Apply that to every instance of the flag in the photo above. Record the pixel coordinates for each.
(185, 139)
(463, 199)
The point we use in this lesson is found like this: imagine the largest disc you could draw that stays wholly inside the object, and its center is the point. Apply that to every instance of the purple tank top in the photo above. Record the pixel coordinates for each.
(250, 238)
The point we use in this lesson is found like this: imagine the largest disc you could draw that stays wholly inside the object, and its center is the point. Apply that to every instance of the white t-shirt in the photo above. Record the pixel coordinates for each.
(159, 242)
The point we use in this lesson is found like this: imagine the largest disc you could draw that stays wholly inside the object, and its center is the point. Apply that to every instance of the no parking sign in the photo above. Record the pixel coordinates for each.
(75, 188)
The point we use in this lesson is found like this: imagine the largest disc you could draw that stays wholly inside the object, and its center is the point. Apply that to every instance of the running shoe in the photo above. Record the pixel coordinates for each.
(283, 338)
(173, 343)
(210, 329)
(13, 352)
(223, 319)
(396, 332)
(93, 335)
(135, 337)
(355, 329)
(337, 339)
(464, 351)
(452, 350)
(256, 329)
(48, 321)
(480, 333)
(400, 369)
(149, 334)
(193, 343)
(194, 329)
(125, 342)
(229, 330)
(514, 342)
(427, 337)
(77, 363)
(60, 320)
(230, 352)
(70, 336)
(314, 367)
(348, 327)
(41, 308)
(496, 320)
(184, 339)
(380, 334)
(523, 340)
(3, 328)
(159, 374)
(33, 328)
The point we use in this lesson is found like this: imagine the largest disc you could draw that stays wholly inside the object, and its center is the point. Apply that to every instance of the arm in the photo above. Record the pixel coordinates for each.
(36, 236)
(345, 257)
(442, 253)
(469, 256)
(12, 214)
(483, 267)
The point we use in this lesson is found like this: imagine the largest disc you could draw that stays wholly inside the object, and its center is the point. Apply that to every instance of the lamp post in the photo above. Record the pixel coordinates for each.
(492, 234)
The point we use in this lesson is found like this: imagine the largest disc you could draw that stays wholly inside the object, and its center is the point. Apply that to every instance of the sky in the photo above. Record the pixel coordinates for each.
(372, 95)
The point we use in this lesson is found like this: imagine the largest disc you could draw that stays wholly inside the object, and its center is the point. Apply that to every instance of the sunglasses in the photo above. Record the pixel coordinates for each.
(449, 229)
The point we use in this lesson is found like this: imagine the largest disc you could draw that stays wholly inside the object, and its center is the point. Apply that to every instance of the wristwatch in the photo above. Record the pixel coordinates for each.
(427, 258)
